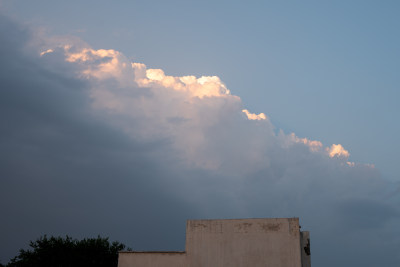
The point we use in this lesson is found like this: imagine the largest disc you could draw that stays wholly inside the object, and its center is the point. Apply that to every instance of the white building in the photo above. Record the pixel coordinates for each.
(232, 243)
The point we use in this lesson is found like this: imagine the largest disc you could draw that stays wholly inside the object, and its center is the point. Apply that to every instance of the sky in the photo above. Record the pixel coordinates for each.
(127, 118)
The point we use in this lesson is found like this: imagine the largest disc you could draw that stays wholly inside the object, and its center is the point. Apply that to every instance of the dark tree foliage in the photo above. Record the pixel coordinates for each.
(68, 252)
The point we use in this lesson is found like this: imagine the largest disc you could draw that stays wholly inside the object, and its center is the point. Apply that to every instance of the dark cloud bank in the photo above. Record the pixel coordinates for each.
(66, 169)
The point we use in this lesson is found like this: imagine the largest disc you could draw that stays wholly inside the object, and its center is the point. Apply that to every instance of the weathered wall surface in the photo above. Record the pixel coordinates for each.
(151, 259)
(243, 243)
(305, 249)
(232, 243)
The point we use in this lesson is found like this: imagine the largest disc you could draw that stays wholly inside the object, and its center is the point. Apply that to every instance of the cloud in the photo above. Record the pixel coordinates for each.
(314, 146)
(47, 51)
(205, 86)
(253, 116)
(93, 143)
(200, 105)
(337, 151)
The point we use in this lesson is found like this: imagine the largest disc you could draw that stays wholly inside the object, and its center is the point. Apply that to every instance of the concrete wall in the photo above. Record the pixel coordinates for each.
(243, 243)
(232, 243)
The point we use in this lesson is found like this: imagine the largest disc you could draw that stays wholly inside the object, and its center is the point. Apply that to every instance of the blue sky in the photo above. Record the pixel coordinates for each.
(323, 70)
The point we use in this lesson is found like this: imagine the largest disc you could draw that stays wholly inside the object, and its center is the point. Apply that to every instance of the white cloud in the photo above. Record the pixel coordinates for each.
(108, 63)
(253, 116)
(337, 151)
(46, 52)
(199, 116)
(205, 86)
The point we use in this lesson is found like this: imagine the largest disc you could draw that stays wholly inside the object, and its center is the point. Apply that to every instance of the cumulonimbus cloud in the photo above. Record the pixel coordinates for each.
(185, 109)
(209, 151)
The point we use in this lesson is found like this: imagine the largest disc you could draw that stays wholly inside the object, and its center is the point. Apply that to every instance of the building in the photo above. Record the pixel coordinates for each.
(232, 243)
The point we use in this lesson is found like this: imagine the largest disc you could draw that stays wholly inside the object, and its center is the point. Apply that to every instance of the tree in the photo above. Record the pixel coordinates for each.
(68, 252)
